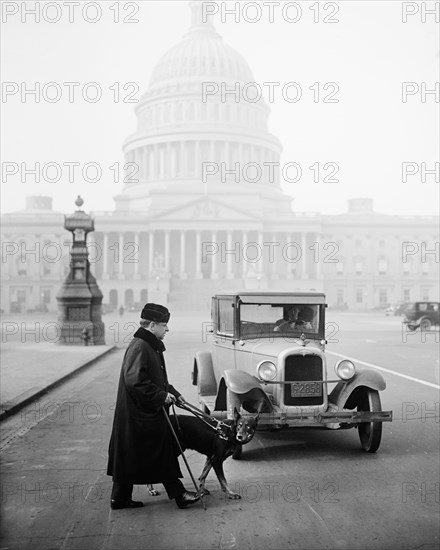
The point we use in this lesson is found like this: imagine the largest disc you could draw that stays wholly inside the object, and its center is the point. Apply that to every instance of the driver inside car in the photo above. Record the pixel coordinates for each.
(296, 318)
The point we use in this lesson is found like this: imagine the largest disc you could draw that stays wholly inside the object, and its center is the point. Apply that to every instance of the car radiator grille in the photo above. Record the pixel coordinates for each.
(299, 368)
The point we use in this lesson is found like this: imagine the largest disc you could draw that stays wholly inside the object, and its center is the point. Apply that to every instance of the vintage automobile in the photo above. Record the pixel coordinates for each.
(423, 315)
(267, 356)
(400, 308)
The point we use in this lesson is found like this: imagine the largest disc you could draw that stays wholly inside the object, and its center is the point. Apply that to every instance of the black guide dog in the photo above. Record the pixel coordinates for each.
(195, 434)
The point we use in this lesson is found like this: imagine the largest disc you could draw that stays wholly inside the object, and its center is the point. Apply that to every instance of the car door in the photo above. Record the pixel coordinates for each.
(224, 336)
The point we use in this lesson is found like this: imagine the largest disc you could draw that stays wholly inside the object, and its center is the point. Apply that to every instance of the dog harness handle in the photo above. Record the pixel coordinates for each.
(202, 416)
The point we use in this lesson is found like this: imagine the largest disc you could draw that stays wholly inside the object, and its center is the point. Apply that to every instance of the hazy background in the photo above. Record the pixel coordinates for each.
(369, 133)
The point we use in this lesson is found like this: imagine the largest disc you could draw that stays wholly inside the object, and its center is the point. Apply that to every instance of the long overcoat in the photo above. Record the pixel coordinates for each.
(142, 449)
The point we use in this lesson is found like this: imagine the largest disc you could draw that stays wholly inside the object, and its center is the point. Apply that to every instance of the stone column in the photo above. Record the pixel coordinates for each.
(319, 257)
(167, 161)
(244, 241)
(304, 274)
(183, 166)
(137, 255)
(261, 249)
(214, 274)
(167, 252)
(230, 256)
(197, 157)
(151, 163)
(150, 251)
(183, 255)
(198, 255)
(173, 153)
(146, 163)
(287, 255)
(155, 162)
(121, 256)
(105, 274)
(161, 149)
(275, 248)
(140, 164)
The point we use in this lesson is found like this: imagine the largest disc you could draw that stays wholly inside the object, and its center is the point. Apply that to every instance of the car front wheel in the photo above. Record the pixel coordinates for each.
(370, 433)
(425, 324)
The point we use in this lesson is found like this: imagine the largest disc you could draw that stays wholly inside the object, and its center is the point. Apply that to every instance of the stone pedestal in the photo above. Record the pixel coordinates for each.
(79, 298)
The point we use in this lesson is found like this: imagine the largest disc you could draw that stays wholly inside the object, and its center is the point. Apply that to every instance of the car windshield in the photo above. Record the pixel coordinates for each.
(279, 320)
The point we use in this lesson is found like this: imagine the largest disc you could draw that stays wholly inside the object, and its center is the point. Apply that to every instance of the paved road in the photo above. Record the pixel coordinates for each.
(305, 489)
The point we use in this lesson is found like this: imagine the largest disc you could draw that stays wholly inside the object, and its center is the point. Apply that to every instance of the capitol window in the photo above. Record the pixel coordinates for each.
(382, 266)
(358, 267)
(383, 297)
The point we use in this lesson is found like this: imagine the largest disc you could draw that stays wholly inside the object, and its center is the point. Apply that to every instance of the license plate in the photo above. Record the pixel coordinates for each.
(306, 389)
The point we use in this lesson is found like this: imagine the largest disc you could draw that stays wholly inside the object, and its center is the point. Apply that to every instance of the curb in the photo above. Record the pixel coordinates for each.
(11, 407)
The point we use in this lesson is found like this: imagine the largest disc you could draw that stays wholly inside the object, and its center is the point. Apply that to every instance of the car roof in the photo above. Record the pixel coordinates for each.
(267, 293)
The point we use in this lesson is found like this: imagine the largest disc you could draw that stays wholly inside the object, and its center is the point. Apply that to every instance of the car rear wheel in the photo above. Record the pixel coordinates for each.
(370, 433)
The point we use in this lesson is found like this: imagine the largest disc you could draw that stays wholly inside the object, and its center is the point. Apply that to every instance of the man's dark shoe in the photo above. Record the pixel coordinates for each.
(186, 498)
(118, 505)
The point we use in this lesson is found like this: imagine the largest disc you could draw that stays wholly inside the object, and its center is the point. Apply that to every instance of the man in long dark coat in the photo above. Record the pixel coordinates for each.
(142, 449)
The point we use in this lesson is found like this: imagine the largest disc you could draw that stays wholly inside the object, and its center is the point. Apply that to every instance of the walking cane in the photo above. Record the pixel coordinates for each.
(183, 456)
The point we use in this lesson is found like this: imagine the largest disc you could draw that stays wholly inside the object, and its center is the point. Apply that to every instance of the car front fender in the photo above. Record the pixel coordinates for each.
(203, 374)
(245, 390)
(344, 394)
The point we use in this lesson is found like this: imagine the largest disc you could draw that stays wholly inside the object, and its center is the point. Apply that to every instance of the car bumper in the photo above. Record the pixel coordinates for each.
(330, 419)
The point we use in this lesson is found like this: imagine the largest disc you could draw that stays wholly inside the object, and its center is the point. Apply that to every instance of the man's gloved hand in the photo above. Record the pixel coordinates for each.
(170, 399)
(181, 399)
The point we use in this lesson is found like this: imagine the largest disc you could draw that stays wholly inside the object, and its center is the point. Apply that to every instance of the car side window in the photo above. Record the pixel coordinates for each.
(225, 321)
(422, 307)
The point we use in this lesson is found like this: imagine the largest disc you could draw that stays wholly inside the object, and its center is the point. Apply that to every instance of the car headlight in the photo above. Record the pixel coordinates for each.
(266, 370)
(345, 369)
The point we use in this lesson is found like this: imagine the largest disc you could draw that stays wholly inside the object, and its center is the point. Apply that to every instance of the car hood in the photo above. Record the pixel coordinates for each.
(274, 347)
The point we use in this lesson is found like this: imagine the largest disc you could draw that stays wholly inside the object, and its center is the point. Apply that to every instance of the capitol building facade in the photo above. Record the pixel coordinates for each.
(202, 210)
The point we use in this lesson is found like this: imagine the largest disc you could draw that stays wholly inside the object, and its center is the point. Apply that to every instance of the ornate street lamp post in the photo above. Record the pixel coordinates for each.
(79, 299)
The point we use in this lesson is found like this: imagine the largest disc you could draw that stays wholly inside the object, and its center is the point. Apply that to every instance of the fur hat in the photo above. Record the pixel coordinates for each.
(156, 313)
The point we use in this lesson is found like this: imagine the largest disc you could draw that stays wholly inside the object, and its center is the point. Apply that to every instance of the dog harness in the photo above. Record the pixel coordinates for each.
(219, 424)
